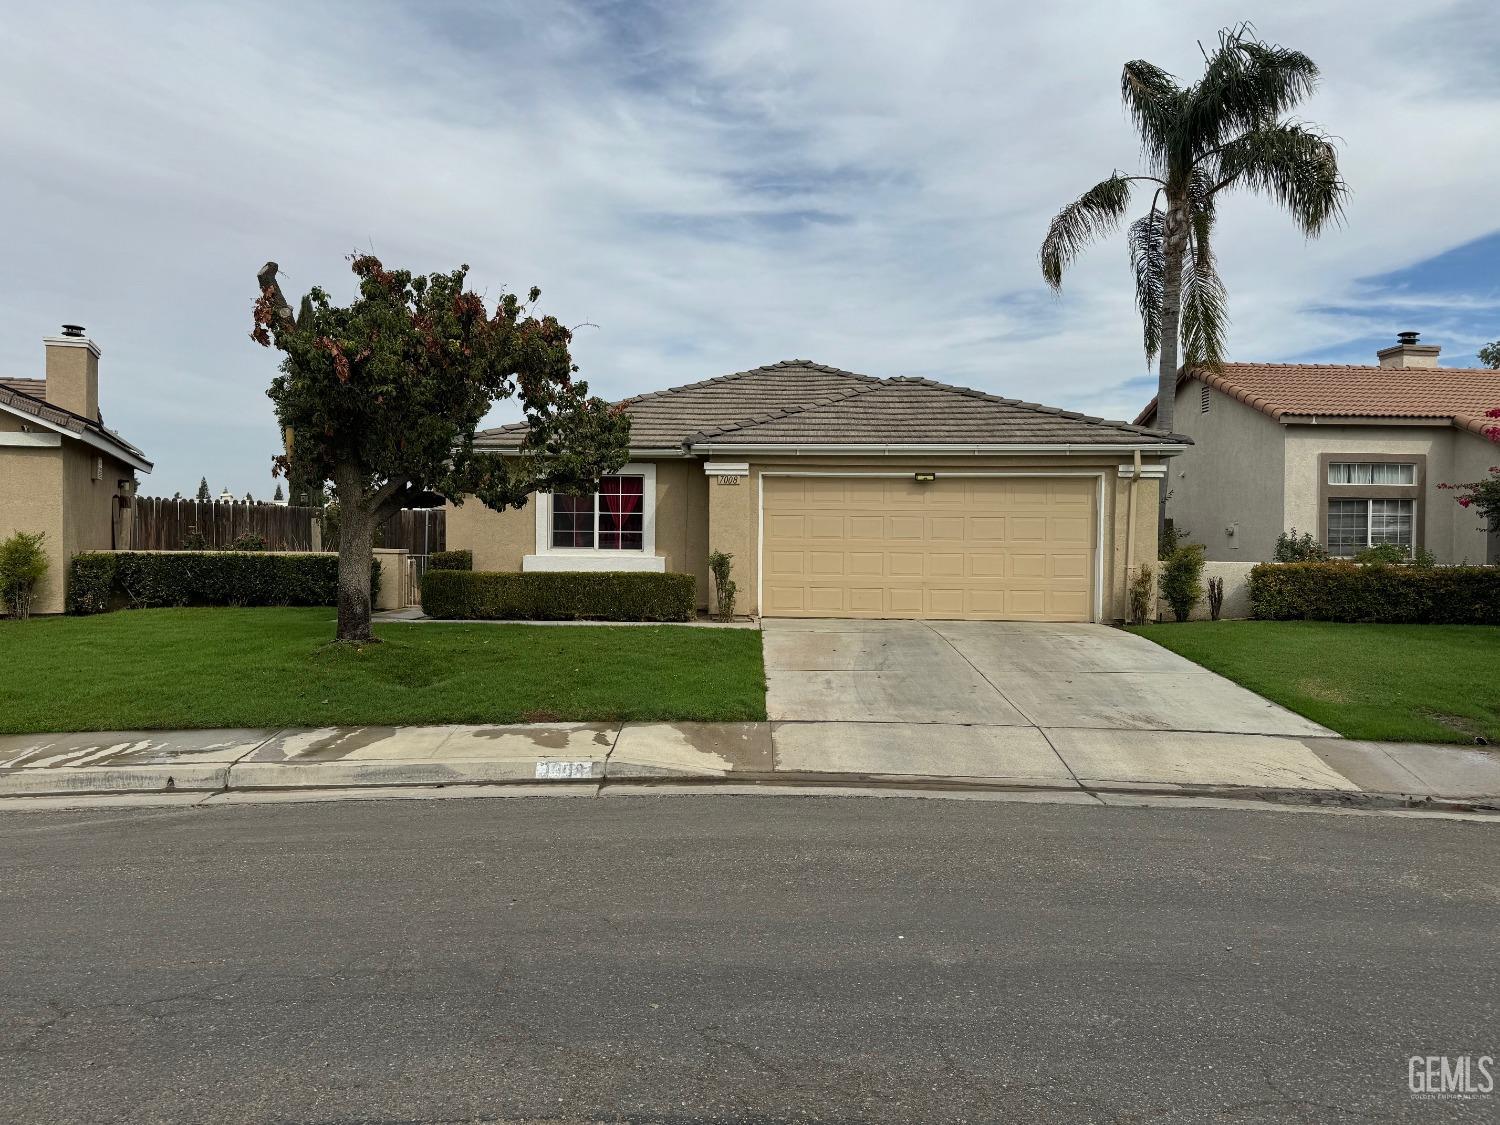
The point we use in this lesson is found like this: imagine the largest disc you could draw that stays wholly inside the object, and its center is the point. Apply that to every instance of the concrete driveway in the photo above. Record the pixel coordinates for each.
(1027, 701)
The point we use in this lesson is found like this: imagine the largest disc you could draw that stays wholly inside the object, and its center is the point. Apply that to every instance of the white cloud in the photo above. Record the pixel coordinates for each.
(714, 186)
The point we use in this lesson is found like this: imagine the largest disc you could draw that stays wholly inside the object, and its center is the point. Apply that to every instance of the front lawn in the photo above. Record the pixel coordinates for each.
(162, 668)
(1400, 683)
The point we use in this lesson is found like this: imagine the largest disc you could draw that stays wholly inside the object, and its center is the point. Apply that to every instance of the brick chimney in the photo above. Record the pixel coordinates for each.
(1406, 352)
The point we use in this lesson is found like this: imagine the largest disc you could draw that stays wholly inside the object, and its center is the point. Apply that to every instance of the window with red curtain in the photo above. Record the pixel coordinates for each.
(611, 520)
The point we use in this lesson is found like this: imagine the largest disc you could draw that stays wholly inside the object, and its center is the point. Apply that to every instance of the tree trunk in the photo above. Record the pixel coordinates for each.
(356, 551)
(1174, 238)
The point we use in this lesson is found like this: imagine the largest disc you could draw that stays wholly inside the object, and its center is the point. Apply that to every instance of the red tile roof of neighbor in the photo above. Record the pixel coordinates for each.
(1460, 395)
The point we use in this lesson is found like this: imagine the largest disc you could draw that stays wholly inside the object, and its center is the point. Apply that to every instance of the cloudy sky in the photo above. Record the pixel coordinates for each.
(714, 186)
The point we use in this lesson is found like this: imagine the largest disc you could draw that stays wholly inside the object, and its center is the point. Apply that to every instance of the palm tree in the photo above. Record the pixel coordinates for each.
(1223, 131)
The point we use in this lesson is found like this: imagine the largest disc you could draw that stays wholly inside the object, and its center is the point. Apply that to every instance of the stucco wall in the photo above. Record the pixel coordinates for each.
(1236, 576)
(31, 499)
(696, 514)
(500, 540)
(1231, 476)
(1472, 458)
(1450, 533)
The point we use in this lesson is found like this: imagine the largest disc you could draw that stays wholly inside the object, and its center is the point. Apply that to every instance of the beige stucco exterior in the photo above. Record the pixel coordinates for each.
(72, 490)
(1261, 477)
(54, 490)
(696, 513)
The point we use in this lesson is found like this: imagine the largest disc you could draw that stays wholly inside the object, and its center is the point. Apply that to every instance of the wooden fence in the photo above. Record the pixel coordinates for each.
(161, 524)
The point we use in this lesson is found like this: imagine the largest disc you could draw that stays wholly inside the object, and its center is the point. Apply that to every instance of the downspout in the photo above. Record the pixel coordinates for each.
(1135, 478)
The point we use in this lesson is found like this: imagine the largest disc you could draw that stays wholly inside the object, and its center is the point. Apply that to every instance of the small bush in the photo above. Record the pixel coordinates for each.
(1215, 598)
(1346, 591)
(450, 560)
(23, 564)
(248, 541)
(1171, 539)
(1291, 547)
(145, 579)
(1143, 595)
(1382, 554)
(725, 587)
(194, 540)
(559, 596)
(1182, 579)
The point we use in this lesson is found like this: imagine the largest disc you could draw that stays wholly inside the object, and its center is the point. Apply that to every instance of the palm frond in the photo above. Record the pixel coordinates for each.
(1293, 164)
(1093, 214)
(1205, 301)
(1246, 85)
(1153, 99)
(1148, 259)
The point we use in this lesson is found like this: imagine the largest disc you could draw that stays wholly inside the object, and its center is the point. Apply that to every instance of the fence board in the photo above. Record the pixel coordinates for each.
(163, 524)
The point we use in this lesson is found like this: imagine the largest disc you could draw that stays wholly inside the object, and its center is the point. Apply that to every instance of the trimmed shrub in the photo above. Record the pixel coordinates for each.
(1346, 591)
(1291, 547)
(91, 582)
(1143, 595)
(146, 579)
(725, 587)
(1182, 579)
(560, 596)
(450, 560)
(23, 564)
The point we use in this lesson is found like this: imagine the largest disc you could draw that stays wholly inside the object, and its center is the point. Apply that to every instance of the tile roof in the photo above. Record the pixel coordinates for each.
(1460, 395)
(20, 402)
(800, 402)
(36, 388)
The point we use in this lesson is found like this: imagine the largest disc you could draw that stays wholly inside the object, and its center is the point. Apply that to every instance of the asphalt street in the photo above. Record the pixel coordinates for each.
(676, 959)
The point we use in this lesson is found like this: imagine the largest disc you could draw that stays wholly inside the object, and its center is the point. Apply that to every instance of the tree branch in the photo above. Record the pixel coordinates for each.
(266, 279)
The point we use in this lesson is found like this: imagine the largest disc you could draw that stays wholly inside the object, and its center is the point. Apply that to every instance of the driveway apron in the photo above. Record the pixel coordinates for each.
(1016, 700)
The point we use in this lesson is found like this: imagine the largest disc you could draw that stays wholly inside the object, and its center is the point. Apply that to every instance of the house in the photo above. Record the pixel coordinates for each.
(1352, 454)
(844, 495)
(62, 471)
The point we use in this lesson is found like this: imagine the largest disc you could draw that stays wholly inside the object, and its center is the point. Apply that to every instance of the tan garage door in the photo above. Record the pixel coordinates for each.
(977, 548)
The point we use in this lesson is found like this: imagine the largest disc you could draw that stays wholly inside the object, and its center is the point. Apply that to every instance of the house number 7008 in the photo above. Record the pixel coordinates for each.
(729, 478)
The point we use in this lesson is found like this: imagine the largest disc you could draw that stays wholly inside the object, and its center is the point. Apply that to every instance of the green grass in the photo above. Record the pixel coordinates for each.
(1414, 683)
(163, 668)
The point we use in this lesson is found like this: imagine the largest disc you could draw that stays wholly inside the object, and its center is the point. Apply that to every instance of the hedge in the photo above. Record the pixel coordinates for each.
(101, 581)
(1345, 591)
(558, 596)
(450, 560)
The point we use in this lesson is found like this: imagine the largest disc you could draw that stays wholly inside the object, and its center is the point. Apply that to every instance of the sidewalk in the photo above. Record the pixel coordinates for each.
(795, 754)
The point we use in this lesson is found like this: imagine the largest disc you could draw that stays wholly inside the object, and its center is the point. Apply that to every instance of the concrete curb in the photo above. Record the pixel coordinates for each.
(310, 782)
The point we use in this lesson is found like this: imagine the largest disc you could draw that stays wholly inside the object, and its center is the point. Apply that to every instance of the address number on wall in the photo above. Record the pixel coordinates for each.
(728, 478)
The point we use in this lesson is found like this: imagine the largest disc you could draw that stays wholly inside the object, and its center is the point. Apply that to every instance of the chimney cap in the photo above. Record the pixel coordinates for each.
(73, 330)
(1407, 337)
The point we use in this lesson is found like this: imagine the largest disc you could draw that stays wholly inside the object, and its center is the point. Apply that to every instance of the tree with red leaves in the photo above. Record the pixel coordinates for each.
(382, 397)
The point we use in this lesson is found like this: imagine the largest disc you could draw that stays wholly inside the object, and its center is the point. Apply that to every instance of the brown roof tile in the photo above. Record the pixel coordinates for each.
(797, 401)
(19, 402)
(1457, 394)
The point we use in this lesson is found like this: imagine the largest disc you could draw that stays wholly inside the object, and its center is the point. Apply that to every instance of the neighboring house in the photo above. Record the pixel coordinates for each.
(61, 471)
(1352, 454)
(843, 495)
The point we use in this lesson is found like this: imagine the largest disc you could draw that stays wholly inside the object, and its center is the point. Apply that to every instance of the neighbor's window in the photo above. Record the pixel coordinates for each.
(1354, 525)
(610, 520)
(1372, 472)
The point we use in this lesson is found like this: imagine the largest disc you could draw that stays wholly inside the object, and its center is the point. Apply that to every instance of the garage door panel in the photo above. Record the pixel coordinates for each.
(985, 548)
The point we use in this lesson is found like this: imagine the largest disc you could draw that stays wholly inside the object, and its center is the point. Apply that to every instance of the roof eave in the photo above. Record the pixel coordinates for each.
(897, 449)
(129, 456)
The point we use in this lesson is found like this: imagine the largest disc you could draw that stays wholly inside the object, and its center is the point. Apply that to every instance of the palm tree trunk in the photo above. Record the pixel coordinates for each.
(356, 551)
(1174, 238)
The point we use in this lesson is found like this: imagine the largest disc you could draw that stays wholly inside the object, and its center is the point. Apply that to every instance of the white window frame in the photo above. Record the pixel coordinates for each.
(548, 557)
(1369, 502)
